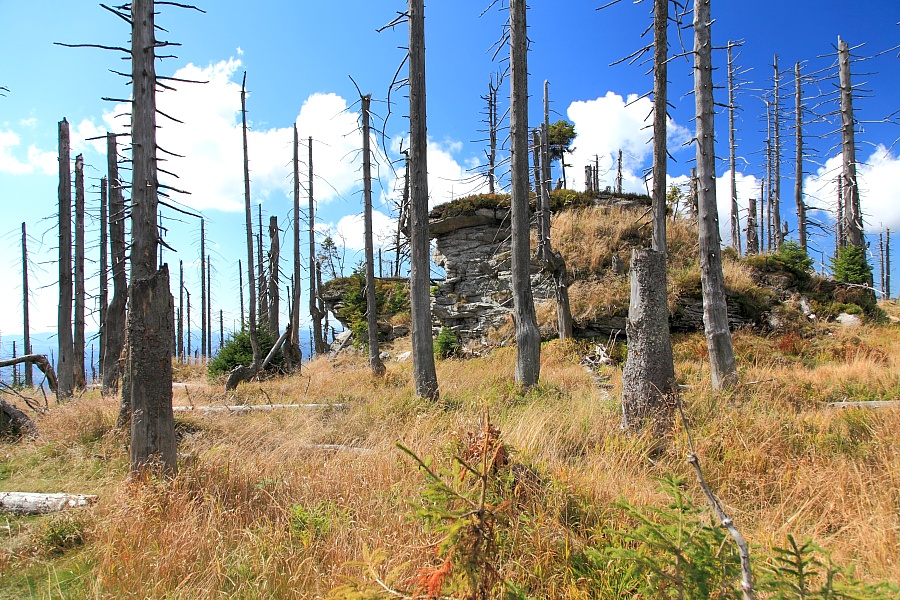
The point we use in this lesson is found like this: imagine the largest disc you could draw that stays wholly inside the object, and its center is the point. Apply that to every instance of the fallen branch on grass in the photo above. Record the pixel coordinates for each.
(240, 408)
(29, 503)
(40, 361)
(865, 404)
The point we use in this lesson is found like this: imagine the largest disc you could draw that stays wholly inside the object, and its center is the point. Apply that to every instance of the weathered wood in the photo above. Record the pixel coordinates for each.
(14, 421)
(316, 305)
(852, 212)
(660, 107)
(261, 273)
(424, 373)
(203, 291)
(778, 235)
(114, 324)
(65, 355)
(732, 157)
(528, 337)
(293, 353)
(25, 300)
(150, 329)
(715, 312)
(371, 302)
(274, 290)
(245, 408)
(150, 319)
(866, 404)
(798, 158)
(278, 344)
(41, 362)
(104, 265)
(648, 377)
(78, 337)
(31, 503)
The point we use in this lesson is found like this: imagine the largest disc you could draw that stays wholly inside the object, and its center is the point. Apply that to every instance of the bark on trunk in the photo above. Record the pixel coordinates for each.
(798, 159)
(274, 290)
(660, 106)
(528, 337)
(78, 337)
(648, 377)
(316, 305)
(114, 325)
(261, 273)
(752, 233)
(424, 373)
(715, 312)
(776, 161)
(14, 422)
(25, 316)
(150, 330)
(203, 298)
(732, 157)
(66, 360)
(294, 352)
(104, 265)
(371, 302)
(852, 215)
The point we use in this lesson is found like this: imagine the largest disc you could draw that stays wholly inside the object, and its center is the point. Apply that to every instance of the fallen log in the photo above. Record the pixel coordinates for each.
(241, 408)
(15, 420)
(865, 404)
(40, 361)
(30, 503)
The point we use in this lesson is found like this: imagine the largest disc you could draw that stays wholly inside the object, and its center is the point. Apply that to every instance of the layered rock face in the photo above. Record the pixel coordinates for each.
(474, 250)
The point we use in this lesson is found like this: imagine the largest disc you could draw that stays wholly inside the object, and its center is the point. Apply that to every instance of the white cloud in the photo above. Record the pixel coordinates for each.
(879, 193)
(29, 122)
(84, 131)
(36, 159)
(612, 123)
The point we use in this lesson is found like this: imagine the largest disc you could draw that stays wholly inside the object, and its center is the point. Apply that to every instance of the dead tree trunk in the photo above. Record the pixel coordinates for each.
(887, 263)
(732, 158)
(261, 274)
(41, 362)
(493, 126)
(14, 421)
(752, 232)
(619, 177)
(852, 212)
(203, 298)
(180, 348)
(78, 338)
(26, 326)
(66, 357)
(274, 290)
(371, 302)
(293, 352)
(209, 320)
(715, 311)
(660, 108)
(649, 372)
(545, 182)
(150, 326)
(316, 304)
(104, 264)
(247, 372)
(528, 337)
(424, 373)
(776, 162)
(241, 291)
(798, 159)
(114, 325)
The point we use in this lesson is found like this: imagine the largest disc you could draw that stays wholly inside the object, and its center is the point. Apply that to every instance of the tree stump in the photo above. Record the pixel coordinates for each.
(648, 376)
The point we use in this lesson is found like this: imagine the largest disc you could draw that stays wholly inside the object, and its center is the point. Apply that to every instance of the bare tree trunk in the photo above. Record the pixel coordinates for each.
(189, 355)
(853, 215)
(203, 299)
(114, 325)
(78, 339)
(274, 290)
(536, 167)
(221, 329)
(209, 321)
(241, 290)
(766, 212)
(41, 362)
(294, 341)
(841, 216)
(493, 125)
(528, 337)
(371, 302)
(752, 232)
(798, 159)
(26, 326)
(776, 161)
(649, 372)
(715, 311)
(104, 265)
(660, 107)
(619, 177)
(544, 189)
(424, 373)
(242, 372)
(881, 264)
(403, 217)
(150, 327)
(732, 159)
(261, 274)
(180, 348)
(66, 357)
(887, 263)
(13, 420)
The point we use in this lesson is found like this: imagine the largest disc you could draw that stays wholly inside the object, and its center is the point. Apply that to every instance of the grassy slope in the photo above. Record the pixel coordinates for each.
(229, 525)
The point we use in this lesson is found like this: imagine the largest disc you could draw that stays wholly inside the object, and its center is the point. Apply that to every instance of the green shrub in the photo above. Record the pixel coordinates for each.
(850, 266)
(62, 532)
(447, 343)
(794, 257)
(237, 351)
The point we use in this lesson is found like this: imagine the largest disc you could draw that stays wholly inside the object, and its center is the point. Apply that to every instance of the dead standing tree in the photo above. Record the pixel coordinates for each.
(65, 365)
(371, 301)
(316, 303)
(798, 158)
(104, 265)
(78, 337)
(852, 210)
(715, 312)
(26, 326)
(114, 324)
(777, 235)
(528, 337)
(274, 259)
(150, 315)
(424, 373)
(243, 373)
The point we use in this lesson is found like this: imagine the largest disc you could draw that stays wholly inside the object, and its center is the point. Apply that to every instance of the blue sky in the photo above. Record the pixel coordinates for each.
(300, 56)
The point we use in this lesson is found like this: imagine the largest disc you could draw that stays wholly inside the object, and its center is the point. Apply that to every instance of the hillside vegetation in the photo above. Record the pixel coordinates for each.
(259, 511)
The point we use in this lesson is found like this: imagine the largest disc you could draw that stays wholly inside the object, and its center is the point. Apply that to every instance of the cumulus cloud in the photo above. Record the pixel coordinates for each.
(879, 193)
(747, 188)
(34, 160)
(612, 123)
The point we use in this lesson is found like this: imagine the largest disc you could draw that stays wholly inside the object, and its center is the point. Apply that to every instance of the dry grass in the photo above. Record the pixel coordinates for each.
(256, 512)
